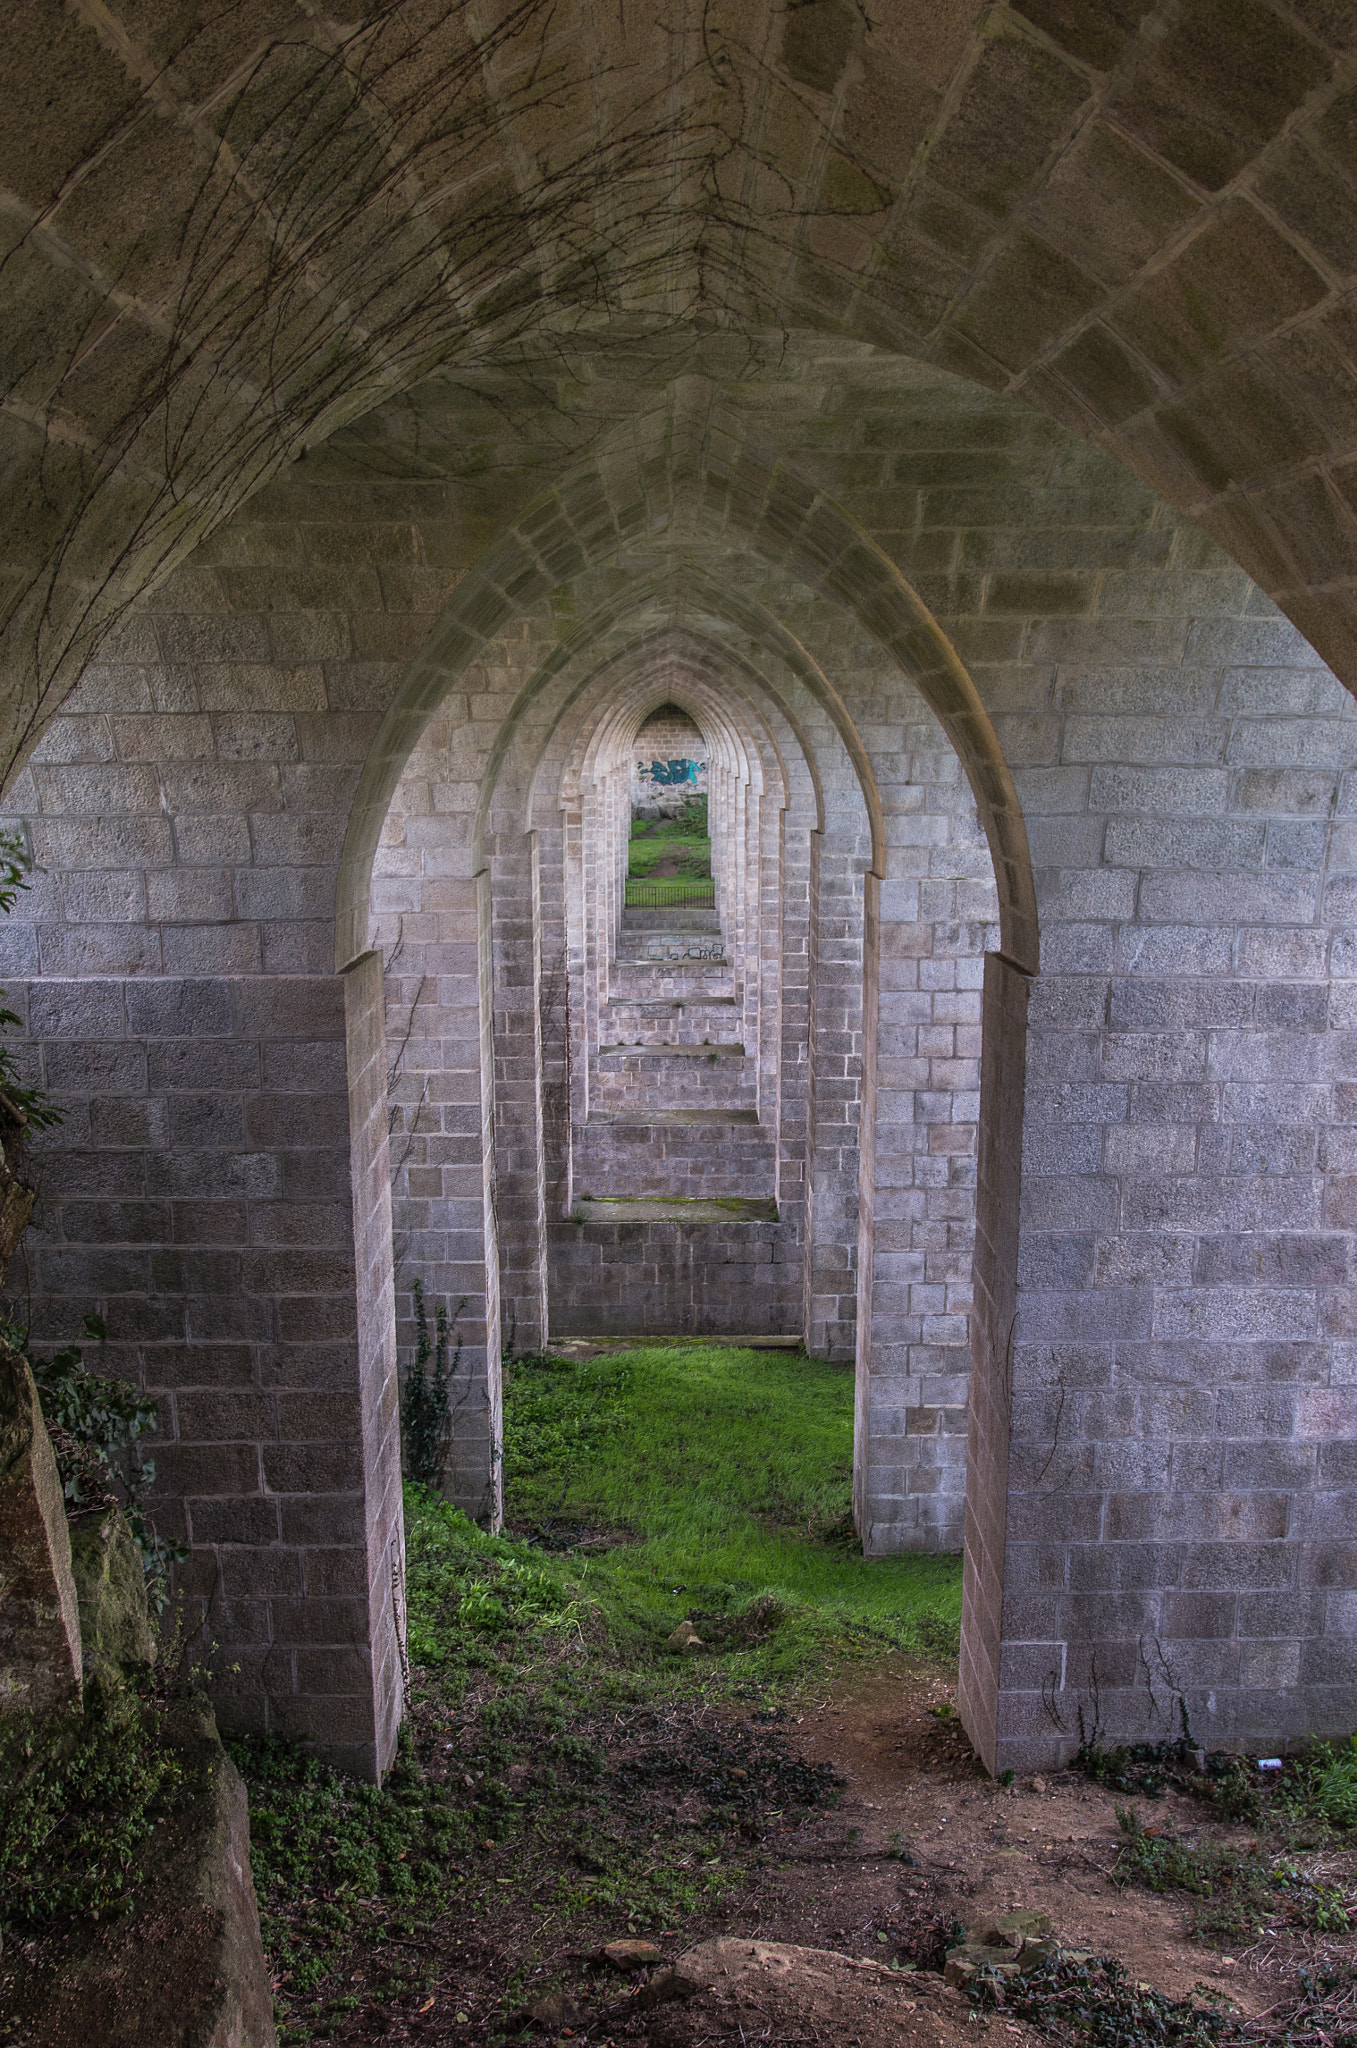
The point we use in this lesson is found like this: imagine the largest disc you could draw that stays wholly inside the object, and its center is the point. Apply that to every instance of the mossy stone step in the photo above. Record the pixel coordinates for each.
(632, 1117)
(673, 1209)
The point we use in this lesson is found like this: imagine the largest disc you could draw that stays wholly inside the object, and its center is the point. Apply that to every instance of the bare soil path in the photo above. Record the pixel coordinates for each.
(870, 1890)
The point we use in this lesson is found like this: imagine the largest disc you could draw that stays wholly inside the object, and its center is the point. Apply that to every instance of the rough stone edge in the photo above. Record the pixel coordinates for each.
(208, 1871)
(244, 2015)
(26, 1418)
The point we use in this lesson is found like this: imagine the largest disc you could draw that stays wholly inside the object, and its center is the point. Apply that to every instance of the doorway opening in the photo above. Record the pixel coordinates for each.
(670, 884)
(673, 1222)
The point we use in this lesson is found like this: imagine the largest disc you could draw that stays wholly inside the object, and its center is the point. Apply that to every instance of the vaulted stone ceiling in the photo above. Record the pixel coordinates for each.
(227, 231)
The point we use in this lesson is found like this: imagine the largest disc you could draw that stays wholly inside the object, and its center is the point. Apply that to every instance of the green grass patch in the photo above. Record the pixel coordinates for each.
(333, 1858)
(1321, 1783)
(730, 1474)
(1238, 1895)
(1093, 2002)
(682, 840)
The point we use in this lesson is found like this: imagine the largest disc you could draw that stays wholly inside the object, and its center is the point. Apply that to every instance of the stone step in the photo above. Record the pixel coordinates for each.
(671, 1023)
(647, 935)
(657, 1266)
(652, 1046)
(679, 1117)
(671, 1209)
(683, 981)
(658, 1008)
(675, 917)
(673, 1076)
(720, 1338)
(637, 949)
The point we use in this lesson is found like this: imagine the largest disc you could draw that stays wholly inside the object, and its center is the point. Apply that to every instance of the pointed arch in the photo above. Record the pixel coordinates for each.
(611, 506)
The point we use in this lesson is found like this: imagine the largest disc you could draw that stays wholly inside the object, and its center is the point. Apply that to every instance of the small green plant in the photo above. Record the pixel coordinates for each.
(1085, 2001)
(1164, 1862)
(326, 1851)
(79, 1797)
(94, 1422)
(1229, 1782)
(1322, 1783)
(1245, 1892)
(426, 1407)
(1090, 2000)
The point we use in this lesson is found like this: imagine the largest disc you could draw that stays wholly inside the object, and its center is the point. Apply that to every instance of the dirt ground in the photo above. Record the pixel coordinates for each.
(976, 1850)
(981, 1849)
(917, 1839)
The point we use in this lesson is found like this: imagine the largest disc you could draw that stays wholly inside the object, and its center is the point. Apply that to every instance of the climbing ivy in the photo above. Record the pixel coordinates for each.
(426, 1408)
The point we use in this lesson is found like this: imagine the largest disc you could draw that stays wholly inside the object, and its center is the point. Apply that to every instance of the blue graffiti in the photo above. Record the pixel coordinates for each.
(674, 771)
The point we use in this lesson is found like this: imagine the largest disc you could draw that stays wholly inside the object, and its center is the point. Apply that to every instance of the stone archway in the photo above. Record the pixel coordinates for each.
(1187, 1033)
(846, 1206)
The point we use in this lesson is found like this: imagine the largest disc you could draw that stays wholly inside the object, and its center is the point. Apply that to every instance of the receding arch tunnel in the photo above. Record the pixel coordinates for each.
(938, 509)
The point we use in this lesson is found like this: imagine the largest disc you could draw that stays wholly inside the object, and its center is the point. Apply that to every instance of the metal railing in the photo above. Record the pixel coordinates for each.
(663, 891)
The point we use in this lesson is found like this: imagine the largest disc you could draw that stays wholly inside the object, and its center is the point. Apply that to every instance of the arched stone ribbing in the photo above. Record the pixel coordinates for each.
(1164, 270)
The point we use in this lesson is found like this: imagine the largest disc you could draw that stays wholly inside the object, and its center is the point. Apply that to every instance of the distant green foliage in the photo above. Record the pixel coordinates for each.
(94, 1422)
(79, 1797)
(682, 839)
(16, 865)
(691, 821)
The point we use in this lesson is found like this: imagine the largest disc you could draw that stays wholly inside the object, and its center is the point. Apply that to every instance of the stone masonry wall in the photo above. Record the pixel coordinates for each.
(201, 1201)
(672, 1277)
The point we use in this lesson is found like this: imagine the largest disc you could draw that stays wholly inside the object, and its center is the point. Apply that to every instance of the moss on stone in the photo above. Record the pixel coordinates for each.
(110, 1587)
